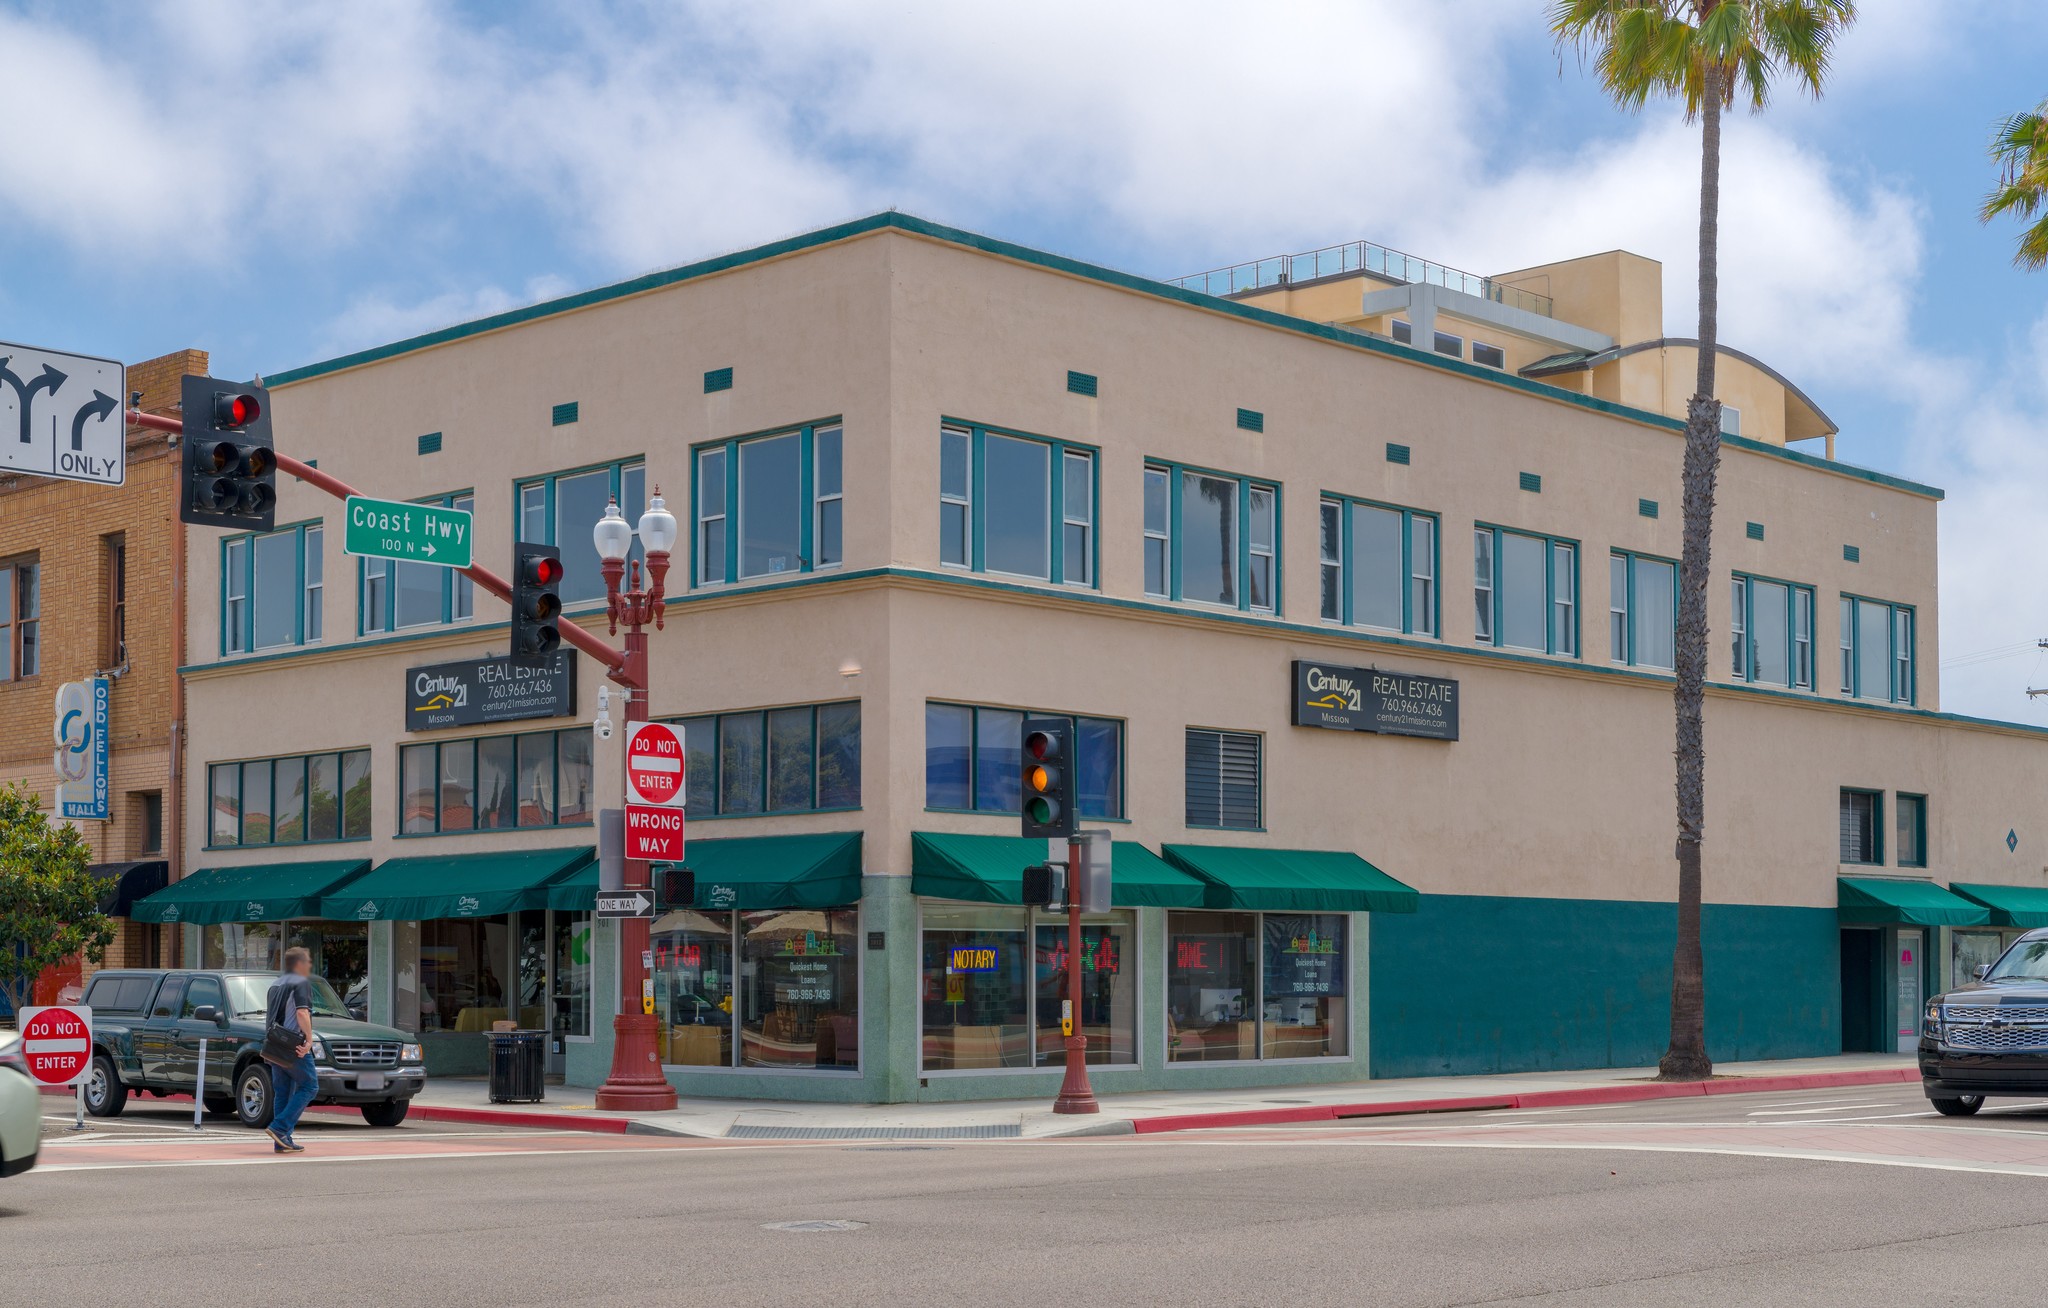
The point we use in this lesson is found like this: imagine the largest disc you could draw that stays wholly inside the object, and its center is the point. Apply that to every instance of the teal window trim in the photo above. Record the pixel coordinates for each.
(245, 573)
(305, 815)
(1628, 655)
(453, 584)
(1056, 508)
(974, 712)
(1246, 484)
(1919, 828)
(471, 743)
(807, 494)
(617, 468)
(1743, 612)
(1429, 624)
(1552, 544)
(1876, 858)
(717, 753)
(1902, 658)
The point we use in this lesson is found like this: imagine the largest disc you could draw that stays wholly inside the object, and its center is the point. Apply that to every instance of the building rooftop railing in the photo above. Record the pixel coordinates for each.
(1357, 257)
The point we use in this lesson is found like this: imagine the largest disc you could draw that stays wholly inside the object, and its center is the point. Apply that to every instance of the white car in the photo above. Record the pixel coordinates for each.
(21, 1109)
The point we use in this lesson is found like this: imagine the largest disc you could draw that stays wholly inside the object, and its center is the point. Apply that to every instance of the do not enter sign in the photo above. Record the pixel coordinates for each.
(57, 1042)
(654, 765)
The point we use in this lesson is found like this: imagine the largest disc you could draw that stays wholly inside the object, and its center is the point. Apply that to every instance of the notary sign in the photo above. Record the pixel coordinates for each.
(1370, 699)
(489, 690)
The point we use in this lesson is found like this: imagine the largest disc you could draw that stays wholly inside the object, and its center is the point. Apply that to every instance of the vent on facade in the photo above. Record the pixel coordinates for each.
(718, 379)
(565, 414)
(1852, 554)
(1756, 531)
(1397, 453)
(430, 443)
(1081, 383)
(1648, 508)
(1251, 420)
(1532, 482)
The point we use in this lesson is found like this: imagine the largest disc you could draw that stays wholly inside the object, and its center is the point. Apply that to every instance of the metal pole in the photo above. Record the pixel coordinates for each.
(199, 1090)
(1076, 1096)
(79, 1125)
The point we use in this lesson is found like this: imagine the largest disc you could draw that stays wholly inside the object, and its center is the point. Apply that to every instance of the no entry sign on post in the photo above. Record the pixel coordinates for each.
(57, 1042)
(654, 766)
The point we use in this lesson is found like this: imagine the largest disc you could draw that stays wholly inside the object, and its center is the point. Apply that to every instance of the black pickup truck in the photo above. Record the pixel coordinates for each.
(147, 1026)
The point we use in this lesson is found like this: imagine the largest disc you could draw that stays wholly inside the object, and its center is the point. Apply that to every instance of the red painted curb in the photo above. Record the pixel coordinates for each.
(539, 1119)
(1604, 1094)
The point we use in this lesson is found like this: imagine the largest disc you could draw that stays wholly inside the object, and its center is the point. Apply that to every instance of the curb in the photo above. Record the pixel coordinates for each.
(1606, 1094)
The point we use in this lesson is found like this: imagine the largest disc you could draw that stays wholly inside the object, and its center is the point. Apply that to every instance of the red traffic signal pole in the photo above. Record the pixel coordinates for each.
(1076, 1095)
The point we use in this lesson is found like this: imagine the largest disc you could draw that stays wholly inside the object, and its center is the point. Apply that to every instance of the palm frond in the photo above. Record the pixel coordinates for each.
(2020, 149)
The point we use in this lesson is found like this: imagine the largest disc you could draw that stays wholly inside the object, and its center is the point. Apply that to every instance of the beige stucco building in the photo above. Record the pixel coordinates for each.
(928, 481)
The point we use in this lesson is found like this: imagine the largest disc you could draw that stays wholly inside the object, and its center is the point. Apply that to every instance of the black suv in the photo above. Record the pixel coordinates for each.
(1989, 1037)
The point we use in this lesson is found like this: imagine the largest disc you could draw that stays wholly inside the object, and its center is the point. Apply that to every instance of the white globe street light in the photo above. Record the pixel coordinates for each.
(657, 526)
(614, 535)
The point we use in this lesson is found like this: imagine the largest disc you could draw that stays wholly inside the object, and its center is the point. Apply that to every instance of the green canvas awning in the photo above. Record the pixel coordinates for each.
(433, 886)
(1292, 880)
(990, 870)
(250, 892)
(1880, 901)
(748, 872)
(2013, 906)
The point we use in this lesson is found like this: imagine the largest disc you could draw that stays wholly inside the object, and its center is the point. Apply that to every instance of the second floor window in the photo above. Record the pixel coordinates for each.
(396, 595)
(1862, 826)
(974, 760)
(117, 601)
(305, 799)
(1912, 829)
(1525, 591)
(1224, 780)
(21, 610)
(769, 505)
(1214, 538)
(1877, 650)
(798, 759)
(1019, 505)
(1642, 609)
(272, 586)
(1772, 626)
(1379, 566)
(491, 783)
(561, 510)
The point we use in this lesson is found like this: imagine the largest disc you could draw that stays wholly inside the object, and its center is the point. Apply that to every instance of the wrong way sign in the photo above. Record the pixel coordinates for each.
(63, 415)
(57, 1042)
(654, 765)
(654, 832)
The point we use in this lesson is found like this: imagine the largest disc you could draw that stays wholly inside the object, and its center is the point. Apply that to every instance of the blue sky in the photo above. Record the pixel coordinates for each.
(279, 183)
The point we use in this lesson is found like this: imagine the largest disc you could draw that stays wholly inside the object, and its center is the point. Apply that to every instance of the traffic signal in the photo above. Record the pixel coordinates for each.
(536, 600)
(1045, 886)
(1048, 784)
(229, 474)
(675, 886)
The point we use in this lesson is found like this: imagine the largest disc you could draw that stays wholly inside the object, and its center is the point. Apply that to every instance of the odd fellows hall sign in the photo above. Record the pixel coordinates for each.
(1368, 699)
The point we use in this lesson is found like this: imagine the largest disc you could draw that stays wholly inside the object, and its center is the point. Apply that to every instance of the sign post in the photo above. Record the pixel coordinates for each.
(57, 1042)
(414, 533)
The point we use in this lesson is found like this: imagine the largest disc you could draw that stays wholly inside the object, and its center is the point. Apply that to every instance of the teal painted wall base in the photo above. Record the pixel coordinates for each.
(1478, 984)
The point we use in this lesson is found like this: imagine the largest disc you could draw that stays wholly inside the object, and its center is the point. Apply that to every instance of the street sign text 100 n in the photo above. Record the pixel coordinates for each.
(416, 533)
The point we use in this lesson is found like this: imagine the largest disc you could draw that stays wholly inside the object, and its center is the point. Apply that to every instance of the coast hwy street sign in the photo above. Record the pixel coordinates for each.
(416, 533)
(63, 415)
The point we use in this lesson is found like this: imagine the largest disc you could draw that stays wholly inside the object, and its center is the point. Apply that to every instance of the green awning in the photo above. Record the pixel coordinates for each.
(433, 886)
(2013, 906)
(1292, 880)
(1880, 901)
(747, 872)
(990, 870)
(250, 892)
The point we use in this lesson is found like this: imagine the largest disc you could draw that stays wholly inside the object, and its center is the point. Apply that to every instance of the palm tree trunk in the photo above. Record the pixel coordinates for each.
(1686, 1058)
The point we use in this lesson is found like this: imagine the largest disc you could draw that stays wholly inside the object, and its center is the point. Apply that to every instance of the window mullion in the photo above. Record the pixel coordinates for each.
(1056, 514)
(1244, 545)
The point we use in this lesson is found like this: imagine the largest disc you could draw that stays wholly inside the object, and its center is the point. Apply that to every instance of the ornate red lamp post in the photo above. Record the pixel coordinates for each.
(635, 1083)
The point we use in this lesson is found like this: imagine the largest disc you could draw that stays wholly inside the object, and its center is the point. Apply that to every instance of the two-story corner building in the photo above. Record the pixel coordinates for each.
(1366, 650)
(88, 588)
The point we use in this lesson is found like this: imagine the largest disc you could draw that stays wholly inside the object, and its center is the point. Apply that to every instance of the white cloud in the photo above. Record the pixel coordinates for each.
(377, 319)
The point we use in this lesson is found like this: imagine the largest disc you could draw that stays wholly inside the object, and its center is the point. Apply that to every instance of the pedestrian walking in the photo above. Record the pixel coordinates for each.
(288, 1048)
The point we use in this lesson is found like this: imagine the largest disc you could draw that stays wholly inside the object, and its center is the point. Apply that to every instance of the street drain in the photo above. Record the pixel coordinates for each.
(817, 1224)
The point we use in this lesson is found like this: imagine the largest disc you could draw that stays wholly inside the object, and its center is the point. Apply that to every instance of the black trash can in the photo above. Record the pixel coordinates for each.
(518, 1067)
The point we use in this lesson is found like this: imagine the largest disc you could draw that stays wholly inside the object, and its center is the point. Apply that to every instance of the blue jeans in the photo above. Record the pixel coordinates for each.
(293, 1088)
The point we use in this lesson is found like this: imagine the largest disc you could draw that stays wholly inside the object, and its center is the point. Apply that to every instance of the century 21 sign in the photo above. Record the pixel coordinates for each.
(1369, 699)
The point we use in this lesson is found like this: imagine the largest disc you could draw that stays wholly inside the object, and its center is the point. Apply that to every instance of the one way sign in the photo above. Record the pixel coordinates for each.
(63, 415)
(634, 903)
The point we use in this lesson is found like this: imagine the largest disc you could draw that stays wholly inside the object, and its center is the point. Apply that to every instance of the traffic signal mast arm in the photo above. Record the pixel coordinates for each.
(614, 660)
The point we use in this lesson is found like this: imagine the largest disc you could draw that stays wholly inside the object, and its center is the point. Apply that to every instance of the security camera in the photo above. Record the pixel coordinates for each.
(603, 727)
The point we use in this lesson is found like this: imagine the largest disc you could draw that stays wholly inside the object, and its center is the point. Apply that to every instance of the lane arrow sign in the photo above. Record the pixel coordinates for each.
(96, 409)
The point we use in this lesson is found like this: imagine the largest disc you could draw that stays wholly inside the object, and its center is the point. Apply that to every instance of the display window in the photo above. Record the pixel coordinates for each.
(1245, 986)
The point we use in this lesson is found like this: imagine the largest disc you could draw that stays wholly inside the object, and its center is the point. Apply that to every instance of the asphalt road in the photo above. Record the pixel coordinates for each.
(491, 1217)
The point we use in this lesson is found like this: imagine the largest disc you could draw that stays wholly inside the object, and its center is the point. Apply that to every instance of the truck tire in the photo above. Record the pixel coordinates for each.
(216, 1106)
(1962, 1106)
(105, 1096)
(389, 1113)
(252, 1094)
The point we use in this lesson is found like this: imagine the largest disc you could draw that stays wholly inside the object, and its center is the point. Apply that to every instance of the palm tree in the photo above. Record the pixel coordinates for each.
(2020, 149)
(1705, 53)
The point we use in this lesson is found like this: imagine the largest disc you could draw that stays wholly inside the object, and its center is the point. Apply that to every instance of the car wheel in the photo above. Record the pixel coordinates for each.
(216, 1106)
(390, 1113)
(252, 1095)
(1961, 1106)
(105, 1096)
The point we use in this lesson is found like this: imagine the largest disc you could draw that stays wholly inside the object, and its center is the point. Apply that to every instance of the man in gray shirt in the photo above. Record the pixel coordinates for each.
(292, 1085)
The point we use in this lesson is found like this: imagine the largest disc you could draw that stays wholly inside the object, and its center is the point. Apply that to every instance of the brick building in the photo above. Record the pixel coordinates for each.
(90, 584)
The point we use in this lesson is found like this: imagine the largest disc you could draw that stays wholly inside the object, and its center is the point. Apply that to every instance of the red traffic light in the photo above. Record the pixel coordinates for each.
(237, 409)
(1042, 745)
(543, 571)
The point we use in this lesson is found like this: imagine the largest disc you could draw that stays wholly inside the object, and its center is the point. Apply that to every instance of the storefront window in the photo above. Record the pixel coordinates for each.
(1109, 990)
(1970, 950)
(569, 975)
(235, 946)
(800, 1004)
(1290, 968)
(693, 987)
(459, 978)
(341, 953)
(974, 996)
(1303, 997)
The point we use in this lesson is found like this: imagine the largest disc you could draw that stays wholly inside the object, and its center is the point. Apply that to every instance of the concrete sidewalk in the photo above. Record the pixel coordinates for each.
(572, 1108)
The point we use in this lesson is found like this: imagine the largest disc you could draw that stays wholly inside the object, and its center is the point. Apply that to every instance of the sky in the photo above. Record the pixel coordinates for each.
(279, 183)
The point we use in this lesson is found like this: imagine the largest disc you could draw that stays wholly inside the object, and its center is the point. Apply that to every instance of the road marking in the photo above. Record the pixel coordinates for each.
(1822, 1108)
